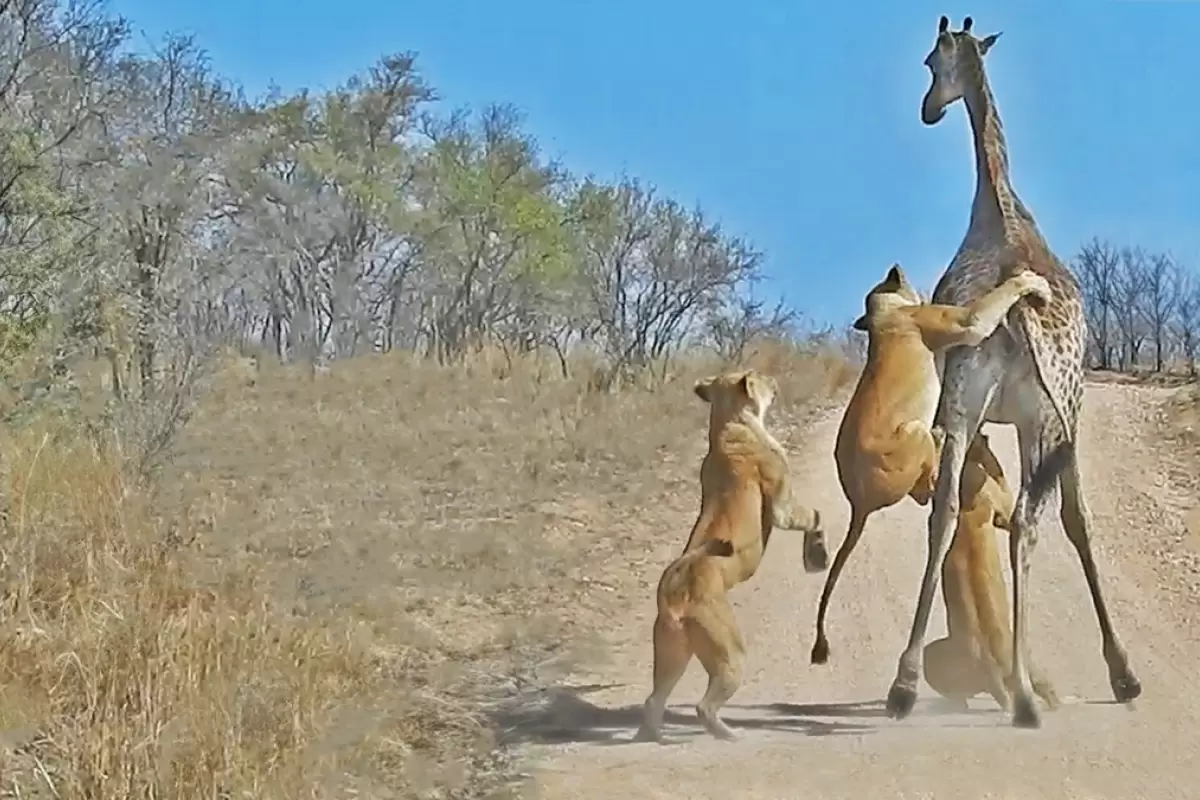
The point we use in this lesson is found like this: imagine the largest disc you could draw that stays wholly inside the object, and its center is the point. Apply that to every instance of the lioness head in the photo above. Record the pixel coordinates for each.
(731, 393)
(894, 291)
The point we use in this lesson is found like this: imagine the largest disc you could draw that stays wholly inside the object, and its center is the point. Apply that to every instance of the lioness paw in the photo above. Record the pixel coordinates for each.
(816, 554)
(1034, 286)
(645, 734)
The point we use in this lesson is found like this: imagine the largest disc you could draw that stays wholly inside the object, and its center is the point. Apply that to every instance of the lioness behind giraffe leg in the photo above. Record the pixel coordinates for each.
(976, 656)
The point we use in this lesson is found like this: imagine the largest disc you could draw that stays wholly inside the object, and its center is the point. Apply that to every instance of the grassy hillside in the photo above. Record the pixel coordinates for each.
(334, 576)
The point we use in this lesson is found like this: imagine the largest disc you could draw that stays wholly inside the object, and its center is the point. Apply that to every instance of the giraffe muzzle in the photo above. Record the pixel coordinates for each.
(931, 111)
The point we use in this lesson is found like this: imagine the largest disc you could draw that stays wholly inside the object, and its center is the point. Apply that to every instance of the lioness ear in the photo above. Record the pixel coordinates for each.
(860, 324)
(701, 389)
(746, 384)
(895, 276)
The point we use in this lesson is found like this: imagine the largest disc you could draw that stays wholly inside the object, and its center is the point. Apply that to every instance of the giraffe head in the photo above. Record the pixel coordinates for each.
(894, 291)
(955, 62)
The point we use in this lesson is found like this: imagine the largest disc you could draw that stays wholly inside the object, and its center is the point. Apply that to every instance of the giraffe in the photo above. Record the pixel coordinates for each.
(1029, 375)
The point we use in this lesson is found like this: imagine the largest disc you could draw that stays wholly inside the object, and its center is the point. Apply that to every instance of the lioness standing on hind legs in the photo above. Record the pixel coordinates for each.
(886, 447)
(745, 490)
(976, 654)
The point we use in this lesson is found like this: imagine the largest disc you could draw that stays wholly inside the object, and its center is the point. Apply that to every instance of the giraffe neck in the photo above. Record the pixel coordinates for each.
(996, 203)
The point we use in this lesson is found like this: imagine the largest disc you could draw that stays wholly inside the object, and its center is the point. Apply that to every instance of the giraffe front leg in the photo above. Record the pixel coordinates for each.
(903, 694)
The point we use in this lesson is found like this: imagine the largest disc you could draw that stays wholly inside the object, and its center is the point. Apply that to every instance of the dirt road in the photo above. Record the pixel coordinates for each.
(809, 731)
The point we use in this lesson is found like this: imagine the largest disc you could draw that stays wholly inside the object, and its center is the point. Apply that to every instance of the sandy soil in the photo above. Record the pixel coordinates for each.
(809, 731)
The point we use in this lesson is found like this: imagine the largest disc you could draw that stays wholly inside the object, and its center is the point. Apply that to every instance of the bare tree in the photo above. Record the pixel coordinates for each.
(1128, 303)
(1161, 292)
(1097, 266)
(653, 271)
(55, 61)
(149, 215)
(732, 328)
(1187, 319)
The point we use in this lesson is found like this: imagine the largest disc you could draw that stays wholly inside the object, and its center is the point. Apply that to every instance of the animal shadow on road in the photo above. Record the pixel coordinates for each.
(560, 715)
(934, 712)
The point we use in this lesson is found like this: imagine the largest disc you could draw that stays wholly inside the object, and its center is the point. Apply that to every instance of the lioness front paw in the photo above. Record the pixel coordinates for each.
(1033, 286)
(938, 434)
(815, 554)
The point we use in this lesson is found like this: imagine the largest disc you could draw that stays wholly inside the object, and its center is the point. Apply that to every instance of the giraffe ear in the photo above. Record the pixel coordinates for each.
(986, 42)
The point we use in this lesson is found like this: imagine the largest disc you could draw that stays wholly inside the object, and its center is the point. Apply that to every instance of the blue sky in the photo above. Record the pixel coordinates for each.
(795, 125)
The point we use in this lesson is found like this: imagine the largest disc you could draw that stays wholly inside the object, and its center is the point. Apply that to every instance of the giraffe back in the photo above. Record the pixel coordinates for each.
(1053, 335)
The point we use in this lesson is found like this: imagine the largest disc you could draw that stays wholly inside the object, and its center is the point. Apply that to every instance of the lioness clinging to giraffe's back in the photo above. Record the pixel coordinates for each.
(745, 490)
(976, 654)
(886, 447)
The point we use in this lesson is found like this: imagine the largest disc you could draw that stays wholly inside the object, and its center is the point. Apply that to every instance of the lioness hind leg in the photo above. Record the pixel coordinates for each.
(672, 652)
(952, 671)
(929, 445)
(718, 645)
(997, 684)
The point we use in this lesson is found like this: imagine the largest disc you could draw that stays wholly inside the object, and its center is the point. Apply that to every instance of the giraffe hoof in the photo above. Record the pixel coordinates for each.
(900, 701)
(1125, 687)
(820, 652)
(1025, 714)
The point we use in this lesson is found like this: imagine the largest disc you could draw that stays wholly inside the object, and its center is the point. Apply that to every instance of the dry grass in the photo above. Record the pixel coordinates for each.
(333, 577)
(1172, 376)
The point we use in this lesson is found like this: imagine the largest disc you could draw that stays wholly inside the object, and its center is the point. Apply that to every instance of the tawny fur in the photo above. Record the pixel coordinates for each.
(975, 657)
(885, 446)
(745, 490)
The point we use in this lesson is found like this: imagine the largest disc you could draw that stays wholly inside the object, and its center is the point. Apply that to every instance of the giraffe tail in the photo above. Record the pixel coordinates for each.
(1053, 462)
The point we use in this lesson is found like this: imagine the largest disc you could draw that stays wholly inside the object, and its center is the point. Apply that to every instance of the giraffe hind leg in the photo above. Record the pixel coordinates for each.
(1076, 521)
(1043, 457)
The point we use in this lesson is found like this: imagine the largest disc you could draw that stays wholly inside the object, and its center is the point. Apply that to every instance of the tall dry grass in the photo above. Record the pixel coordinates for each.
(336, 574)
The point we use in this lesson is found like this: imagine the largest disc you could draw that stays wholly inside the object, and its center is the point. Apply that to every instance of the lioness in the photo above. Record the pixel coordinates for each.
(976, 654)
(885, 447)
(745, 490)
